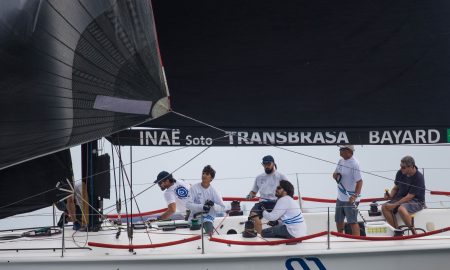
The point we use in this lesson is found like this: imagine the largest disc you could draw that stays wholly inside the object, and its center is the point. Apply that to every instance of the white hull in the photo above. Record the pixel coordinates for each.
(431, 252)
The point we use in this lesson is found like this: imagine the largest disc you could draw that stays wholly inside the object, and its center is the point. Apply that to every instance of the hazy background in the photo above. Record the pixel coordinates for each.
(236, 168)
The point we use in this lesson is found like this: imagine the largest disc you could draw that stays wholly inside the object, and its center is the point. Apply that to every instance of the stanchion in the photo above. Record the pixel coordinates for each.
(201, 231)
(328, 229)
(63, 245)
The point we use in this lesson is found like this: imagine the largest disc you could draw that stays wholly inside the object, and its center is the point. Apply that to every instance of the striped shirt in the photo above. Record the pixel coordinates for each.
(290, 214)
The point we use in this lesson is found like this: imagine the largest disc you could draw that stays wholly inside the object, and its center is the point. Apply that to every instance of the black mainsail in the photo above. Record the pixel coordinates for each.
(298, 64)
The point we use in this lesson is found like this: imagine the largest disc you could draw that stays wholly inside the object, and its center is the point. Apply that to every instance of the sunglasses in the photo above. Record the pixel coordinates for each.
(207, 173)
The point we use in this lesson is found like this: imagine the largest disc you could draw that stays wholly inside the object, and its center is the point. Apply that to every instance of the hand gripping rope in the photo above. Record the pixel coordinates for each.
(338, 181)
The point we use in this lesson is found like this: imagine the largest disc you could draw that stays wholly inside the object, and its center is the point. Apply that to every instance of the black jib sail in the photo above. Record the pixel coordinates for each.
(295, 65)
(74, 71)
(31, 185)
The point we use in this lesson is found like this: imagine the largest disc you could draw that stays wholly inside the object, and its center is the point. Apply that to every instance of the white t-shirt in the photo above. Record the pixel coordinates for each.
(349, 169)
(266, 184)
(178, 193)
(290, 214)
(198, 197)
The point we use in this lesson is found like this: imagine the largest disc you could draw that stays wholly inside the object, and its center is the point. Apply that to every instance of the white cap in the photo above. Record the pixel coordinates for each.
(348, 146)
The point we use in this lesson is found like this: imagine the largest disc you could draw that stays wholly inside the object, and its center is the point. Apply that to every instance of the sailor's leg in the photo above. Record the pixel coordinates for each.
(406, 217)
(208, 227)
(339, 216)
(355, 229)
(389, 215)
(340, 226)
(257, 222)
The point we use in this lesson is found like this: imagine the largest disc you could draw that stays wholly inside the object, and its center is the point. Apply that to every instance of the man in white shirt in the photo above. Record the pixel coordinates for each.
(288, 211)
(348, 177)
(205, 199)
(266, 184)
(176, 194)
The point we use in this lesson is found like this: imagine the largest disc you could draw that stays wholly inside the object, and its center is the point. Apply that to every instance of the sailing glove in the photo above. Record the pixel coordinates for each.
(207, 206)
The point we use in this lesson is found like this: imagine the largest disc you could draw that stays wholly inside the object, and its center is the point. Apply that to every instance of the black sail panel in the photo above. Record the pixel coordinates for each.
(306, 64)
(31, 185)
(74, 71)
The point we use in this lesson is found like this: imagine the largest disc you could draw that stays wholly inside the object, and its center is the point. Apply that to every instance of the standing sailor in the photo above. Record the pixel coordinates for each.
(176, 195)
(205, 199)
(348, 177)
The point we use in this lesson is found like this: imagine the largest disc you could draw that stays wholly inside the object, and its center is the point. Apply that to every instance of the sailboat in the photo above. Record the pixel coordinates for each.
(257, 72)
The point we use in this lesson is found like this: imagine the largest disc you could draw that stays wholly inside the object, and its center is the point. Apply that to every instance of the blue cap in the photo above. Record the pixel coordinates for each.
(267, 159)
(163, 176)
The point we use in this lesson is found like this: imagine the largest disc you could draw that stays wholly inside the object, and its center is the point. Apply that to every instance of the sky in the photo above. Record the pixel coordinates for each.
(237, 167)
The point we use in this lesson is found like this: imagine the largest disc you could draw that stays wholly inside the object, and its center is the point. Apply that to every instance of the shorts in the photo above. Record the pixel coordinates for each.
(208, 227)
(346, 210)
(279, 231)
(268, 205)
(413, 206)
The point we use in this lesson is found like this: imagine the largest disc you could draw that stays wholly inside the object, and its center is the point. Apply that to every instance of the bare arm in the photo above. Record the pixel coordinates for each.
(358, 188)
(393, 192)
(405, 199)
(171, 209)
(71, 209)
(335, 174)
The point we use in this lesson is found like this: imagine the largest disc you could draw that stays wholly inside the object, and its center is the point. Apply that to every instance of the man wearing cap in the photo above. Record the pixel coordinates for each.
(266, 184)
(348, 178)
(407, 196)
(176, 194)
(205, 200)
(288, 211)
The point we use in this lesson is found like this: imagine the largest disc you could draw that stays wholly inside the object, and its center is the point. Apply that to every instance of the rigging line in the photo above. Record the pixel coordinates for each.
(32, 196)
(121, 169)
(130, 184)
(179, 167)
(184, 164)
(73, 27)
(52, 189)
(118, 200)
(296, 152)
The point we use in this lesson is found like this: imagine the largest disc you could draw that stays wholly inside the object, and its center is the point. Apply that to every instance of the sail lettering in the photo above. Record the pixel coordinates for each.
(404, 136)
(160, 138)
(290, 137)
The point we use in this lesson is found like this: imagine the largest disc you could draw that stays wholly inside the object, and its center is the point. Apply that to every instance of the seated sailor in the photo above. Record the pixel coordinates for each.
(205, 200)
(176, 193)
(407, 196)
(288, 211)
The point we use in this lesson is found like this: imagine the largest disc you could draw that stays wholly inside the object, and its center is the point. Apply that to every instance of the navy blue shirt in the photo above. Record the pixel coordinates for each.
(414, 184)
